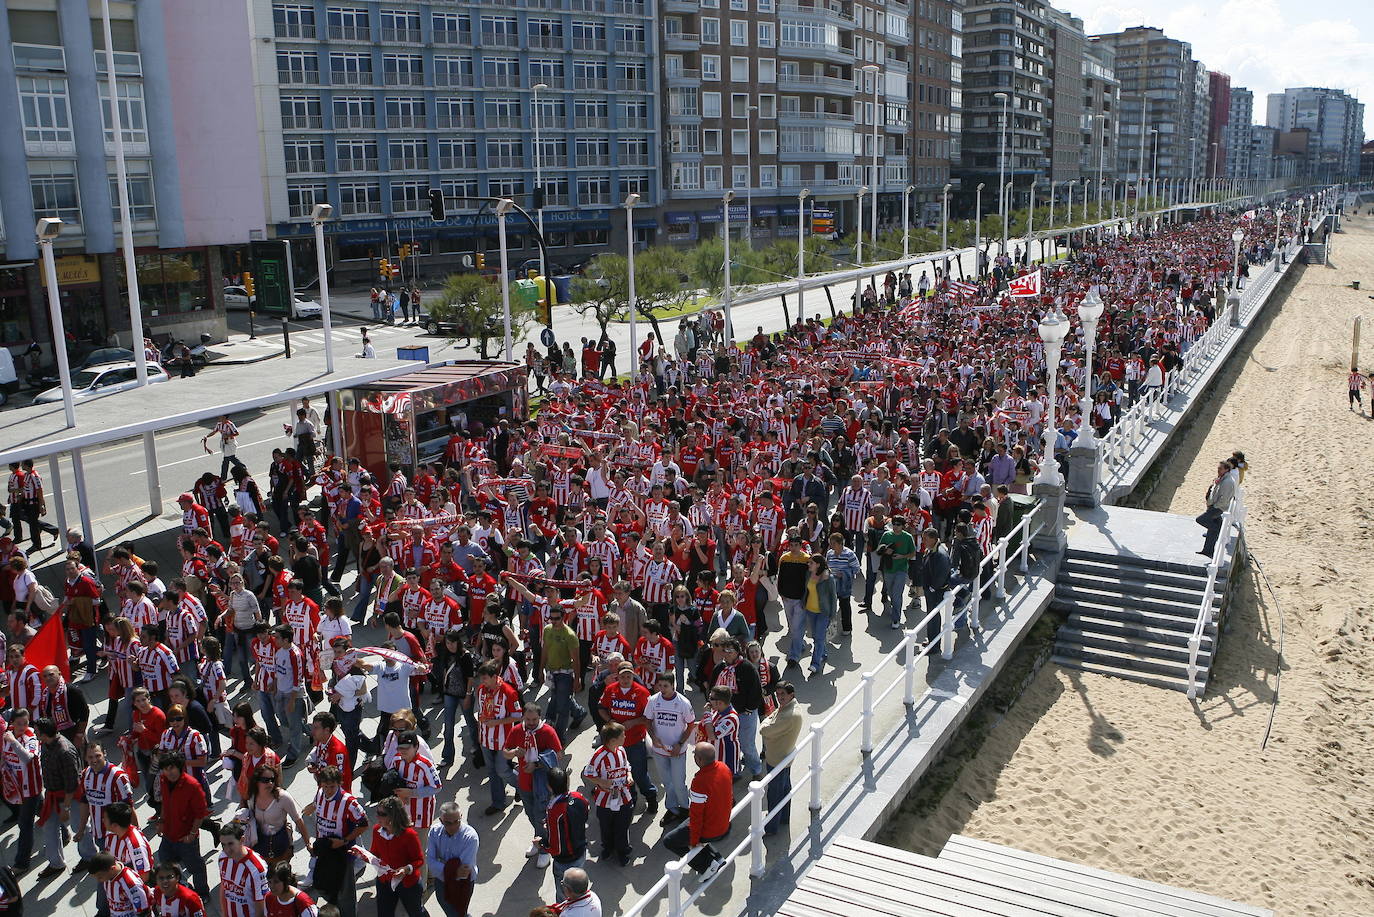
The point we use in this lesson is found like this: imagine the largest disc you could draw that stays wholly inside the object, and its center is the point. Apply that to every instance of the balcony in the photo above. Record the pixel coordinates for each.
(681, 41)
(593, 159)
(629, 8)
(831, 53)
(352, 78)
(501, 80)
(354, 122)
(634, 159)
(457, 162)
(557, 200)
(401, 36)
(461, 80)
(451, 37)
(554, 161)
(410, 163)
(402, 121)
(590, 82)
(631, 84)
(588, 6)
(683, 77)
(810, 117)
(589, 44)
(505, 121)
(807, 82)
(631, 123)
(500, 40)
(302, 122)
(294, 29)
(546, 42)
(357, 165)
(405, 79)
(505, 162)
(591, 199)
(680, 6)
(591, 121)
(831, 11)
(630, 45)
(350, 33)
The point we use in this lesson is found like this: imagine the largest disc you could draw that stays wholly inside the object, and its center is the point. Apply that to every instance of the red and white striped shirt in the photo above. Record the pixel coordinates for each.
(181, 903)
(99, 788)
(189, 742)
(856, 506)
(157, 664)
(659, 579)
(26, 688)
(265, 665)
(496, 703)
(133, 849)
(422, 778)
(653, 657)
(126, 895)
(22, 779)
(141, 614)
(182, 631)
(615, 767)
(242, 882)
(304, 618)
(123, 658)
(338, 815)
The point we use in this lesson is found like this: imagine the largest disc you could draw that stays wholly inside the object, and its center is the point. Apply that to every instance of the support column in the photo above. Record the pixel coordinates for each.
(154, 480)
(1233, 308)
(1085, 472)
(55, 490)
(82, 502)
(1053, 536)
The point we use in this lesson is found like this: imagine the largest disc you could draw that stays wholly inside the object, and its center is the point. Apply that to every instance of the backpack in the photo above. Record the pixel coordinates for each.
(967, 557)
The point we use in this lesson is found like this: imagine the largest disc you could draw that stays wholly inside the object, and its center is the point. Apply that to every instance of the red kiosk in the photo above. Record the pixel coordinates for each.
(408, 420)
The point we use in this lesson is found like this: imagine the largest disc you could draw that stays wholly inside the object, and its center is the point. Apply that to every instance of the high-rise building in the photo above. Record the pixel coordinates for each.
(186, 122)
(1238, 138)
(1159, 100)
(1197, 125)
(1006, 98)
(370, 108)
(937, 100)
(1335, 121)
(1066, 42)
(1101, 105)
(1218, 118)
(767, 99)
(1263, 151)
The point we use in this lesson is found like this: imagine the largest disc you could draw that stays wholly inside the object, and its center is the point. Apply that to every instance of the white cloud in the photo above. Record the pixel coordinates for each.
(1264, 45)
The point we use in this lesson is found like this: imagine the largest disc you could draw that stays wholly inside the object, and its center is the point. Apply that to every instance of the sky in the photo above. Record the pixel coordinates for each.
(1265, 45)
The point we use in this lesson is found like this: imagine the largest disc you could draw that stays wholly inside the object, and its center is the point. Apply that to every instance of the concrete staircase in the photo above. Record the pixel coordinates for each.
(1132, 616)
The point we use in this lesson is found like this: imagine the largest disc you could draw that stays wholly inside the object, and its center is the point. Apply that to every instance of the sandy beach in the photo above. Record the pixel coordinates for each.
(1142, 781)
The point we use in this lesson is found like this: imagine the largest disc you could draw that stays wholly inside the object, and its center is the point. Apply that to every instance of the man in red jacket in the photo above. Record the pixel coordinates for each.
(183, 809)
(708, 821)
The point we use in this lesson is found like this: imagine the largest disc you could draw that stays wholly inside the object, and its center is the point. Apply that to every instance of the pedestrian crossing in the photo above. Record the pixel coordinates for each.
(344, 336)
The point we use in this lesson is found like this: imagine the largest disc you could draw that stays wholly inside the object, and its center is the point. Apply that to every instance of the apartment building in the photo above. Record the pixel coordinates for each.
(1237, 138)
(1006, 94)
(1101, 124)
(1218, 121)
(767, 98)
(1335, 121)
(368, 106)
(1159, 97)
(1066, 44)
(192, 167)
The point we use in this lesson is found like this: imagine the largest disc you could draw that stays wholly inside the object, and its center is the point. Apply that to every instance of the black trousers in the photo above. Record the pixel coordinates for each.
(615, 829)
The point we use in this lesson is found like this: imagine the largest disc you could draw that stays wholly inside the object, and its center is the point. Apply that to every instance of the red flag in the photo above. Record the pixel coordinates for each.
(49, 647)
(1029, 285)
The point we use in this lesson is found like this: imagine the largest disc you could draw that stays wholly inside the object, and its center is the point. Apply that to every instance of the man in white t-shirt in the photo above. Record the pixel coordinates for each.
(670, 719)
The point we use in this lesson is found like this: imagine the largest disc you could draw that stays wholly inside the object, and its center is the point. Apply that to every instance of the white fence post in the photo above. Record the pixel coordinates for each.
(947, 626)
(1001, 592)
(756, 828)
(867, 746)
(817, 732)
(909, 698)
(674, 871)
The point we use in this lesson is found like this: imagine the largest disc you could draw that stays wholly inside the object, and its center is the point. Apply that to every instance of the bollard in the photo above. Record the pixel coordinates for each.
(817, 731)
(674, 872)
(867, 746)
(947, 627)
(909, 697)
(756, 829)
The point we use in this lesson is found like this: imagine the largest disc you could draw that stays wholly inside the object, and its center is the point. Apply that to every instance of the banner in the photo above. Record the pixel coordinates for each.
(549, 450)
(1028, 285)
(963, 288)
(528, 578)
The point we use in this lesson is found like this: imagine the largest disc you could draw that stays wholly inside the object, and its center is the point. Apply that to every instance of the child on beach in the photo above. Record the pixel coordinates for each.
(1356, 382)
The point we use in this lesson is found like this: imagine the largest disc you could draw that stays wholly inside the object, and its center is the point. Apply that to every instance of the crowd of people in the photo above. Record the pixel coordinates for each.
(613, 562)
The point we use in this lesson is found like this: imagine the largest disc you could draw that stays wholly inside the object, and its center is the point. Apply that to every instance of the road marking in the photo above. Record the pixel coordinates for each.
(211, 455)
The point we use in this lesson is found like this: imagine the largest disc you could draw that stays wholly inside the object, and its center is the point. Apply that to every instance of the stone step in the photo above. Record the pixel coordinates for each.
(1141, 588)
(1134, 646)
(1127, 560)
(1101, 624)
(1141, 616)
(1163, 601)
(1124, 659)
(1104, 570)
(1148, 678)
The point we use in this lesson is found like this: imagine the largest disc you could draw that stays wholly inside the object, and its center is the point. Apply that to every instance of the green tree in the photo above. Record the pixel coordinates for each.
(663, 281)
(705, 265)
(603, 290)
(471, 306)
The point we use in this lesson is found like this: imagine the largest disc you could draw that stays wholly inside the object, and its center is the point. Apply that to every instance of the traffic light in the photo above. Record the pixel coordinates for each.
(248, 284)
(384, 268)
(481, 261)
(405, 251)
(436, 204)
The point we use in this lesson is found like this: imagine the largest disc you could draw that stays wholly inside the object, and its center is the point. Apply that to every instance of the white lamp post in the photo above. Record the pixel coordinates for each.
(503, 207)
(944, 226)
(539, 198)
(859, 248)
(1053, 328)
(1052, 184)
(1006, 219)
(1089, 311)
(872, 70)
(1233, 299)
(749, 168)
(1087, 190)
(630, 203)
(802, 195)
(321, 213)
(1278, 227)
(906, 221)
(46, 231)
(978, 232)
(1002, 156)
(726, 199)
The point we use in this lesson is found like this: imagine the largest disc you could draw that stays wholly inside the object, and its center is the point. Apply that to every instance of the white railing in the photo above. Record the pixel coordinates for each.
(894, 670)
(1206, 613)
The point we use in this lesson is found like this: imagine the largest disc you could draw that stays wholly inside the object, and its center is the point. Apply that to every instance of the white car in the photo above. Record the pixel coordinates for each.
(304, 307)
(238, 298)
(103, 380)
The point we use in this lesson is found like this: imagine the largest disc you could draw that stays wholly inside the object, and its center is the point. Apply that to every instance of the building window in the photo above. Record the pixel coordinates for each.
(410, 154)
(767, 36)
(457, 154)
(739, 142)
(405, 113)
(506, 186)
(739, 33)
(353, 68)
(409, 196)
(551, 153)
(589, 74)
(298, 67)
(556, 191)
(593, 190)
(633, 151)
(503, 113)
(768, 70)
(739, 69)
(686, 176)
(635, 112)
(710, 67)
(170, 282)
(356, 155)
(710, 142)
(588, 36)
(500, 72)
(452, 28)
(460, 193)
(545, 33)
(710, 105)
(684, 101)
(593, 151)
(710, 31)
(453, 71)
(505, 153)
(768, 176)
(301, 199)
(54, 190)
(587, 113)
(360, 197)
(401, 25)
(455, 113)
(635, 184)
(739, 177)
(304, 156)
(403, 69)
(298, 113)
(591, 237)
(499, 32)
(292, 21)
(713, 177)
(768, 106)
(140, 189)
(46, 116)
(683, 140)
(348, 24)
(354, 112)
(739, 105)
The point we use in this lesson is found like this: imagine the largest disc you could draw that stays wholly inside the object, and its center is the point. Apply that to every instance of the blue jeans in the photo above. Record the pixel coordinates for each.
(364, 596)
(749, 740)
(639, 770)
(894, 593)
(536, 802)
(410, 897)
(870, 579)
(188, 855)
(563, 705)
(777, 789)
(290, 707)
(793, 612)
(238, 649)
(28, 817)
(560, 868)
(501, 775)
(818, 624)
(453, 705)
(268, 708)
(672, 773)
(351, 722)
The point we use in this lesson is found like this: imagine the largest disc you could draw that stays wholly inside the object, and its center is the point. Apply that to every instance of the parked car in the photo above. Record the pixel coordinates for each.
(238, 298)
(302, 307)
(103, 380)
(103, 355)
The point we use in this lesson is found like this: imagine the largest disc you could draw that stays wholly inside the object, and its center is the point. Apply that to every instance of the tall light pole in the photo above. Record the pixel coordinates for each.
(1101, 156)
(1140, 162)
(872, 70)
(749, 167)
(1006, 221)
(321, 213)
(1192, 169)
(1278, 227)
(1089, 311)
(906, 221)
(1087, 189)
(859, 248)
(944, 226)
(1154, 163)
(1002, 162)
(630, 202)
(539, 194)
(1030, 218)
(978, 232)
(1233, 298)
(726, 200)
(46, 231)
(503, 207)
(802, 195)
(1053, 328)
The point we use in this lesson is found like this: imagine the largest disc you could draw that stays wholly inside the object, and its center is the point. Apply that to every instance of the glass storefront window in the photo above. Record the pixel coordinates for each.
(171, 282)
(14, 306)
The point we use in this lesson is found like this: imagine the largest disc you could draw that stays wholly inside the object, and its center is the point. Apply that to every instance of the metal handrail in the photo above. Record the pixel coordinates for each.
(904, 656)
(1234, 515)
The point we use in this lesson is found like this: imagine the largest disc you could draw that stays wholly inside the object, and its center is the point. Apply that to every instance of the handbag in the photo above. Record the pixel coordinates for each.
(41, 597)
